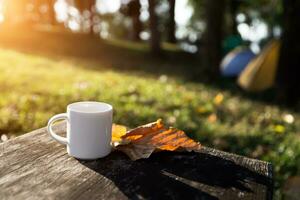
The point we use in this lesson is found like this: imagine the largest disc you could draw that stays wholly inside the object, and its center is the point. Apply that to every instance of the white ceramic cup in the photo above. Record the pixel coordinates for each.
(89, 127)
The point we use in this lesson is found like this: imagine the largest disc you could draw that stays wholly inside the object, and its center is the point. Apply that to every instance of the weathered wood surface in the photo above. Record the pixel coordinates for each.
(33, 166)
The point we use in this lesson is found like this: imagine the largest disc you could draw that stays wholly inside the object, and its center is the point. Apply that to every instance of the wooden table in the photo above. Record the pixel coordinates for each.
(33, 166)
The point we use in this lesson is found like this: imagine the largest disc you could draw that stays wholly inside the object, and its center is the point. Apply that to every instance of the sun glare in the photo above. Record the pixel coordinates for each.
(183, 12)
(61, 9)
(104, 6)
(1, 12)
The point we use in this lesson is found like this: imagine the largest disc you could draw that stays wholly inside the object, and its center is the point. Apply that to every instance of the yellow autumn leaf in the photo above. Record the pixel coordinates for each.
(279, 129)
(218, 99)
(117, 132)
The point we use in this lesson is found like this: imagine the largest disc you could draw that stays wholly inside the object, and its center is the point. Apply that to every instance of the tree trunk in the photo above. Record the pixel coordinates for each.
(172, 23)
(91, 8)
(79, 4)
(234, 5)
(155, 35)
(212, 37)
(51, 11)
(289, 59)
(134, 12)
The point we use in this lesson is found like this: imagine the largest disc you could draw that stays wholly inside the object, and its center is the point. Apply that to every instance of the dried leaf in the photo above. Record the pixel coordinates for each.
(212, 118)
(117, 132)
(218, 99)
(142, 141)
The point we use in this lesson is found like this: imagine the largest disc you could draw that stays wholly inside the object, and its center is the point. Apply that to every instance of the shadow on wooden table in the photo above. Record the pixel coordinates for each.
(180, 176)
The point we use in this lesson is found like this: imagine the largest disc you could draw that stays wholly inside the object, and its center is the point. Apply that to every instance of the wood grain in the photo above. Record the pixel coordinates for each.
(33, 166)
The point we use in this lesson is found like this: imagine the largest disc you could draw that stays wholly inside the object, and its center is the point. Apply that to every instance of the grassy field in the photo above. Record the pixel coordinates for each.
(39, 80)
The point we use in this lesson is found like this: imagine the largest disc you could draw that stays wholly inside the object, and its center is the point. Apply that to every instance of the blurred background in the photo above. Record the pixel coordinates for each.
(224, 71)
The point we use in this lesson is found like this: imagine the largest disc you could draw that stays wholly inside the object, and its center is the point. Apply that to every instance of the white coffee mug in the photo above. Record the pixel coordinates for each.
(89, 127)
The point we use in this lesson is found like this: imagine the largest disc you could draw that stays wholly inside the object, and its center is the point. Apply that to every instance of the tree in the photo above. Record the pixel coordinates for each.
(88, 5)
(51, 11)
(289, 59)
(213, 35)
(234, 5)
(155, 34)
(172, 23)
(134, 11)
(91, 8)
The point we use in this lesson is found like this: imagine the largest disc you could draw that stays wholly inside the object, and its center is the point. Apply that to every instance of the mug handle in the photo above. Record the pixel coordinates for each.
(58, 138)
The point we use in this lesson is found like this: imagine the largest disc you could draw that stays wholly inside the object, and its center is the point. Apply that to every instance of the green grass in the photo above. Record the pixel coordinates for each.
(35, 87)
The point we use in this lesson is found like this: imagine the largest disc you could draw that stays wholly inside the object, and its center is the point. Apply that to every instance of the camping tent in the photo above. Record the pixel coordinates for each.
(235, 61)
(260, 73)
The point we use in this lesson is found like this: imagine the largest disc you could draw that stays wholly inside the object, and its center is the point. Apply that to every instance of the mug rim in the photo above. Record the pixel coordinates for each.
(108, 108)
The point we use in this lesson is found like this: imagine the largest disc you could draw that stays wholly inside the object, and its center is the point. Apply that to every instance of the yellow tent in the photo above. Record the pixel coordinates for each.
(260, 73)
